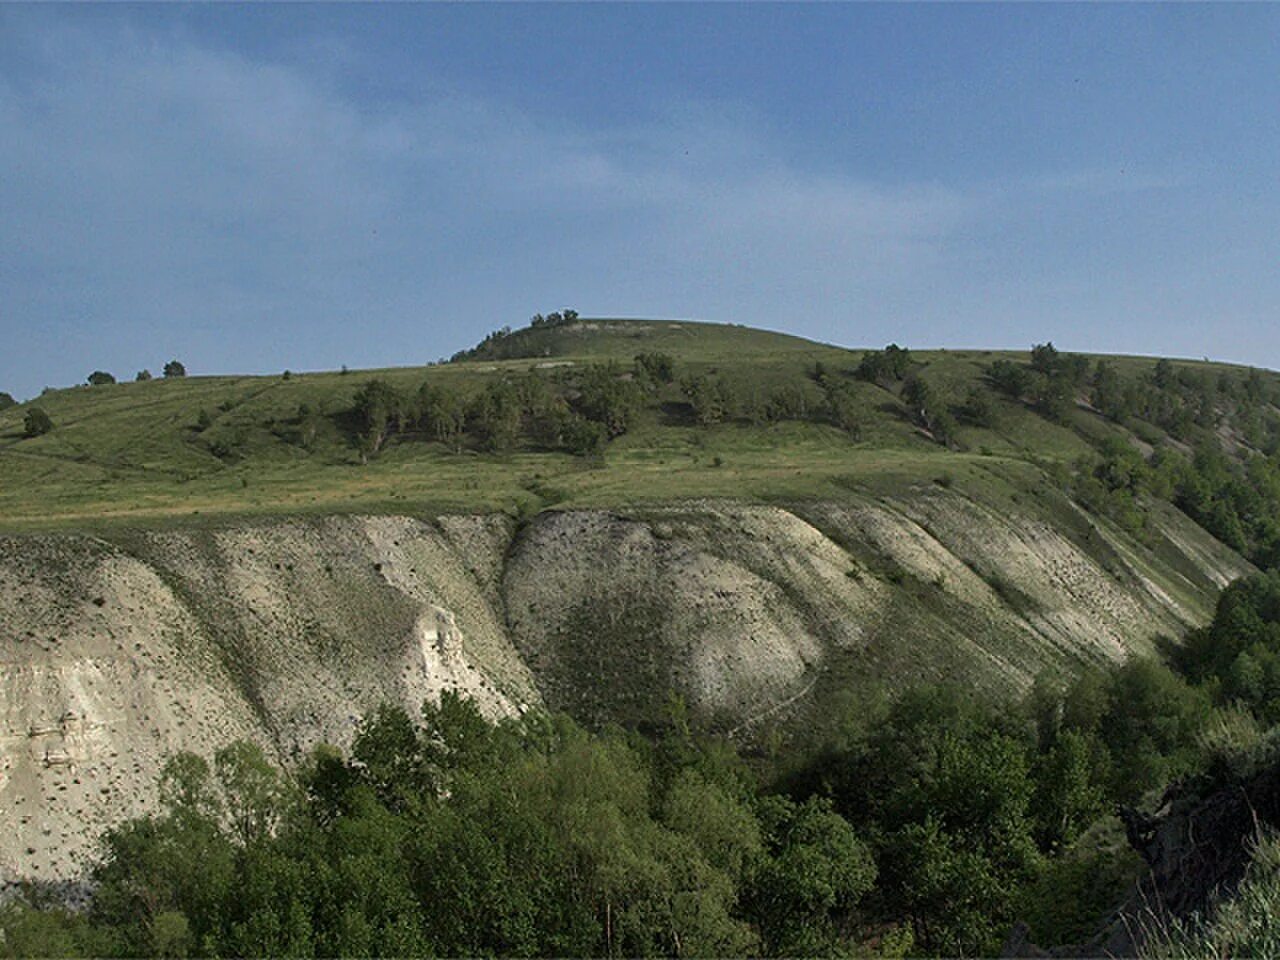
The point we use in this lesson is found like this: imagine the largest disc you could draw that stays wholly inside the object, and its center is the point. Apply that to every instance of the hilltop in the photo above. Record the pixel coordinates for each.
(774, 417)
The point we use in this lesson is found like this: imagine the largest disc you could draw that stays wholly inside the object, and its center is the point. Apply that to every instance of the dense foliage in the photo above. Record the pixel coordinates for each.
(449, 836)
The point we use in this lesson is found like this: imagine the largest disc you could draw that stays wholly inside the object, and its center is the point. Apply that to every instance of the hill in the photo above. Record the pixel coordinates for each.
(763, 526)
(194, 448)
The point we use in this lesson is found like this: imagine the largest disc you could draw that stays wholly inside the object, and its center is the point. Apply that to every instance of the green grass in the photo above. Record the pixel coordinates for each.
(132, 452)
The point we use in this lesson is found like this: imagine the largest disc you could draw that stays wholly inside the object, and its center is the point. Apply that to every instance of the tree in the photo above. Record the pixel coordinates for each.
(497, 415)
(843, 407)
(606, 397)
(1070, 788)
(1109, 394)
(711, 397)
(885, 366)
(100, 378)
(920, 398)
(928, 409)
(1050, 395)
(1044, 358)
(582, 437)
(442, 414)
(142, 376)
(815, 868)
(377, 405)
(7, 401)
(174, 368)
(36, 423)
(252, 790)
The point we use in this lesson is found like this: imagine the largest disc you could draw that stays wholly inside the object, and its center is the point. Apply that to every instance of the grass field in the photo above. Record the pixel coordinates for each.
(133, 452)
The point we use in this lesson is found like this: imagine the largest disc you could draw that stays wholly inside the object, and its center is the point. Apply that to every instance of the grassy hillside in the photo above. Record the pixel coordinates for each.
(193, 448)
(763, 526)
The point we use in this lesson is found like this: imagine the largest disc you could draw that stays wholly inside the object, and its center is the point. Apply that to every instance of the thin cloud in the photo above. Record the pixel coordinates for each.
(172, 187)
(165, 197)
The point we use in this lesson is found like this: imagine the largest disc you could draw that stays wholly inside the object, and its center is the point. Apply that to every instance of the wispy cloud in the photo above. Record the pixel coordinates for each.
(156, 188)
(164, 196)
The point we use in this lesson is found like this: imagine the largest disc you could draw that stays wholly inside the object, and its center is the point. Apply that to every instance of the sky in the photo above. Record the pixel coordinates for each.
(257, 188)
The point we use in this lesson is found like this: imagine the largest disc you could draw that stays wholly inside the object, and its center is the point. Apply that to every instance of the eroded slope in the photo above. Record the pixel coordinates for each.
(116, 653)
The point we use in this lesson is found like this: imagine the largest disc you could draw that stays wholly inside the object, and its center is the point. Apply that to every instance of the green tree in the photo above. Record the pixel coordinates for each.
(1070, 788)
(1045, 359)
(443, 414)
(252, 790)
(843, 408)
(813, 874)
(609, 398)
(885, 366)
(1050, 395)
(100, 378)
(378, 408)
(1012, 379)
(174, 368)
(582, 437)
(496, 416)
(1110, 395)
(711, 398)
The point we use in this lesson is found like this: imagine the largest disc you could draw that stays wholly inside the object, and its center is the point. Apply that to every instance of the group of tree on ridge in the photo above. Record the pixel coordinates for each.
(174, 368)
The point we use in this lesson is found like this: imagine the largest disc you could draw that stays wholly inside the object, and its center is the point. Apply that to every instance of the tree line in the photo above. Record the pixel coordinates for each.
(577, 411)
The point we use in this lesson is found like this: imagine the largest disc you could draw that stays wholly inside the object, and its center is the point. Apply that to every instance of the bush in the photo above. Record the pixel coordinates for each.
(7, 401)
(100, 378)
(657, 367)
(36, 423)
(1011, 379)
(583, 437)
(977, 409)
(885, 366)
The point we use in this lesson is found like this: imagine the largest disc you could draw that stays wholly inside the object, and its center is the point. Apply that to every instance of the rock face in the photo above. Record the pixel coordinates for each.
(117, 652)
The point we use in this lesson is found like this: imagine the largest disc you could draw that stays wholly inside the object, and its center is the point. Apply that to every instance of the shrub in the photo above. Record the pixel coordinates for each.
(36, 423)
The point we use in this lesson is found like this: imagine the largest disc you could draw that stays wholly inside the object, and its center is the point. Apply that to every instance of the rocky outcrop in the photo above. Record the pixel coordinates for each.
(115, 652)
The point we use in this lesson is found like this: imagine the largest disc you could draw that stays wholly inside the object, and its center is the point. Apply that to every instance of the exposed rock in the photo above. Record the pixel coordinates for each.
(115, 653)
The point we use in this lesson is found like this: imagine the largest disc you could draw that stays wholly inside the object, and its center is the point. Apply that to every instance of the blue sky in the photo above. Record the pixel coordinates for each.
(251, 189)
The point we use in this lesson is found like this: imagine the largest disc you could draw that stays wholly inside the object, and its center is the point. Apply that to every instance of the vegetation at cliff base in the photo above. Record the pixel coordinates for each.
(929, 823)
